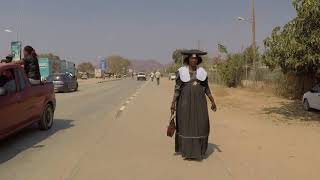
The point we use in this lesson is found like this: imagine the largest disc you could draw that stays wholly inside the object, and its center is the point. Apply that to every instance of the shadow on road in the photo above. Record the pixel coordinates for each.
(211, 149)
(293, 110)
(29, 138)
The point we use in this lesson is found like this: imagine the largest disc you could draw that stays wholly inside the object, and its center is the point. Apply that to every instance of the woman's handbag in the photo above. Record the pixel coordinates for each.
(172, 126)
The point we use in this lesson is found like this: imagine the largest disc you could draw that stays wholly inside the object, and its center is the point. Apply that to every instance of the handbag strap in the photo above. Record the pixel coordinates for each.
(172, 117)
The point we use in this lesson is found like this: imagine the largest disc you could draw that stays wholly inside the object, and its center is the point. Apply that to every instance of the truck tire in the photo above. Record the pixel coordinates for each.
(46, 120)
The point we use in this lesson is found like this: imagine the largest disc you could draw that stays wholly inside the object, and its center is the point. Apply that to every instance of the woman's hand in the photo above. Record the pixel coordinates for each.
(214, 107)
(173, 108)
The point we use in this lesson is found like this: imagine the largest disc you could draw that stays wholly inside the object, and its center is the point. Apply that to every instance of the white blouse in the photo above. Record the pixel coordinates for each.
(185, 74)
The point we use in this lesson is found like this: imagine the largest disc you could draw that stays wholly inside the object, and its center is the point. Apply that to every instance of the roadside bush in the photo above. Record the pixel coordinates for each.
(231, 71)
(292, 86)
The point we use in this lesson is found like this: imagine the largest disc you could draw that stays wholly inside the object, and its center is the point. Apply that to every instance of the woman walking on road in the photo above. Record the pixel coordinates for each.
(190, 105)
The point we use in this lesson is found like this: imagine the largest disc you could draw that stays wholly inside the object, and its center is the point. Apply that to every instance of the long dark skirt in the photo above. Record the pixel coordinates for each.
(192, 121)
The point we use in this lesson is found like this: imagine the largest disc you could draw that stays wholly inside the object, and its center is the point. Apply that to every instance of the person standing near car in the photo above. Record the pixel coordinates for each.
(190, 106)
(158, 75)
(31, 65)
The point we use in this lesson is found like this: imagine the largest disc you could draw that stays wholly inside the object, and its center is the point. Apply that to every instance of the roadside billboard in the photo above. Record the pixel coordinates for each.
(63, 66)
(16, 50)
(103, 64)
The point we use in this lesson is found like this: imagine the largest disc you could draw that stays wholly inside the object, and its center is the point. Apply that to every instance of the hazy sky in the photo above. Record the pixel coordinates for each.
(137, 29)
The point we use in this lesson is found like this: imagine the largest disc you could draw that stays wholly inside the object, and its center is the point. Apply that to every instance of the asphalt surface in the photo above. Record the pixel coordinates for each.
(81, 120)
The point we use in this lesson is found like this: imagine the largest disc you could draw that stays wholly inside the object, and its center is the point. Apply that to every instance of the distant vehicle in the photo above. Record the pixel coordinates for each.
(21, 103)
(141, 76)
(63, 82)
(98, 73)
(117, 76)
(311, 99)
(172, 76)
(84, 76)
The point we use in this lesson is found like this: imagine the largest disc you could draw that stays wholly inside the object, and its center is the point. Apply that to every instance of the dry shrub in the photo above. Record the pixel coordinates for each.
(292, 86)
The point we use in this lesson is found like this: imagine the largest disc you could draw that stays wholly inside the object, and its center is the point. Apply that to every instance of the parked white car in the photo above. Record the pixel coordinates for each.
(311, 99)
(172, 76)
(141, 76)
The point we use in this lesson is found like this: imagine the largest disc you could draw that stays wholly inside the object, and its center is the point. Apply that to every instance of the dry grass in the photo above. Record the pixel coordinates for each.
(262, 103)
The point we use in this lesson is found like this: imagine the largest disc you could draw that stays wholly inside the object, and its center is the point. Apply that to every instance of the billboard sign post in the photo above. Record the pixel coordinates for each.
(16, 47)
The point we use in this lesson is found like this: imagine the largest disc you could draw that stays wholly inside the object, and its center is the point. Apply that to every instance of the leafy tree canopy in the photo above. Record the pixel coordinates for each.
(117, 64)
(296, 47)
(86, 67)
(178, 57)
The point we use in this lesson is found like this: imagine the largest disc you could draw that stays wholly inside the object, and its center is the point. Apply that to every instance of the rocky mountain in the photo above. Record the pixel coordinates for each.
(145, 65)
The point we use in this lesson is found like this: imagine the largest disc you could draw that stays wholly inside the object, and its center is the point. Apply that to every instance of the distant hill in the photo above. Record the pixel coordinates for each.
(145, 65)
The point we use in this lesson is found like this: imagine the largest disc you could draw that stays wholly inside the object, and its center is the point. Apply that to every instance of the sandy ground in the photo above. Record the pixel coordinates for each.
(254, 136)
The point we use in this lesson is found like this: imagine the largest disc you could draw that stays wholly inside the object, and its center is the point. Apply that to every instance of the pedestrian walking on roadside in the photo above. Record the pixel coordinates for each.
(31, 65)
(190, 105)
(152, 76)
(158, 75)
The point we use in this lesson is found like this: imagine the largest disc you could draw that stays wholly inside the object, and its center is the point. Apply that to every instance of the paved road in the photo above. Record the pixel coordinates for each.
(81, 119)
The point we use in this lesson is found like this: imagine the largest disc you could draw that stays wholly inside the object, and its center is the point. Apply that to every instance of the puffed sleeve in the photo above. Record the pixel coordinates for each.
(177, 87)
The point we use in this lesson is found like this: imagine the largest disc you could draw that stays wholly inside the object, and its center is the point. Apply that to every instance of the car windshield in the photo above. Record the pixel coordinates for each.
(141, 73)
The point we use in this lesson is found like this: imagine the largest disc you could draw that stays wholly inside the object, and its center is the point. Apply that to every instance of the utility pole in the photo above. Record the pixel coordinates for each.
(254, 42)
(199, 44)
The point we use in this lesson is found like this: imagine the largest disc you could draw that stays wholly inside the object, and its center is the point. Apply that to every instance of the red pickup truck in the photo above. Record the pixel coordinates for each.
(22, 104)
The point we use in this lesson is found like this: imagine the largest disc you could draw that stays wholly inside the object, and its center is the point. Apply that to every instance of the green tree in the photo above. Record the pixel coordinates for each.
(249, 55)
(172, 68)
(231, 70)
(177, 56)
(295, 48)
(86, 67)
(118, 64)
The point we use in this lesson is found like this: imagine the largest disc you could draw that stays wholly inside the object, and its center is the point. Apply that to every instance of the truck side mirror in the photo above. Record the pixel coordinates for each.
(3, 91)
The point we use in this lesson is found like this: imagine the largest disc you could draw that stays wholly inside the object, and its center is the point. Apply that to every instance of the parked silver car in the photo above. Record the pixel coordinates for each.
(64, 82)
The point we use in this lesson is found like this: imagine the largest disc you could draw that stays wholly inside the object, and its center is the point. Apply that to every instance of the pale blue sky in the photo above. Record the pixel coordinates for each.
(137, 29)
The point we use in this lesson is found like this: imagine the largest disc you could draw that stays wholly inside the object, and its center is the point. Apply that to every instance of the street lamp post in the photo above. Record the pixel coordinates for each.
(10, 30)
(254, 42)
(252, 21)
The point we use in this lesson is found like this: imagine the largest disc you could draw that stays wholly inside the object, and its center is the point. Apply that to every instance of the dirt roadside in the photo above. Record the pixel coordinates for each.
(250, 139)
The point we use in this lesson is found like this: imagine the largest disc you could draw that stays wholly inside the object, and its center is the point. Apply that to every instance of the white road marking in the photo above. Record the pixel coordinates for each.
(129, 100)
